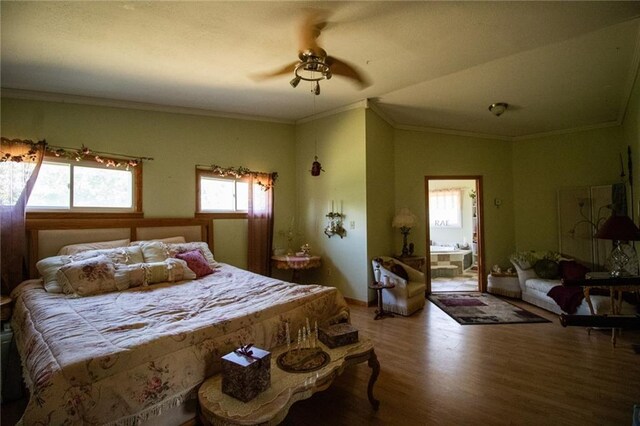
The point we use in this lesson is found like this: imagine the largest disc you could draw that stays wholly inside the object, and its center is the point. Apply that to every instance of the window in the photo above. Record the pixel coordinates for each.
(217, 194)
(445, 208)
(85, 186)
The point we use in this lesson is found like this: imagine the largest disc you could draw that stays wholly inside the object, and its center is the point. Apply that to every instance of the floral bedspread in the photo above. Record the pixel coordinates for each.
(120, 357)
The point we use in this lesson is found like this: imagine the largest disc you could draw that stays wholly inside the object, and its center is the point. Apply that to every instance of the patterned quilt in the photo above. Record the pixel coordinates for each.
(121, 357)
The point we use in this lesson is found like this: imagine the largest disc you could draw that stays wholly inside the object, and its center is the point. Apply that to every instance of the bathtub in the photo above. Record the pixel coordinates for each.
(444, 258)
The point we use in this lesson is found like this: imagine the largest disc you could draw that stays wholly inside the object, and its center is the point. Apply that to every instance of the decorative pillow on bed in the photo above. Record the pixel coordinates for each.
(170, 270)
(196, 262)
(86, 277)
(48, 267)
(157, 251)
(126, 255)
(78, 248)
(162, 240)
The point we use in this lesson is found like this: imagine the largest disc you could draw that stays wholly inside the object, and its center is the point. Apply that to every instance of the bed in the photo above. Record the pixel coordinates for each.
(126, 357)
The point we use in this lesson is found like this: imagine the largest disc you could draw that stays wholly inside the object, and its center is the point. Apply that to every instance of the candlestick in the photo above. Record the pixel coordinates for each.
(286, 328)
(332, 206)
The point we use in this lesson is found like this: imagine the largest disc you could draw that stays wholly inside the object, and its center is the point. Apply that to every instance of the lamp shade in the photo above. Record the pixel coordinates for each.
(619, 228)
(404, 219)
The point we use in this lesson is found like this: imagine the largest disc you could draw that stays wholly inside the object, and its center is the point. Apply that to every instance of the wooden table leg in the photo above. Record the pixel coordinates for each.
(375, 371)
(380, 312)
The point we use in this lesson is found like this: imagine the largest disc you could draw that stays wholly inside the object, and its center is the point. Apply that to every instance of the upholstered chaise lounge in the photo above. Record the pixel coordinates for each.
(408, 295)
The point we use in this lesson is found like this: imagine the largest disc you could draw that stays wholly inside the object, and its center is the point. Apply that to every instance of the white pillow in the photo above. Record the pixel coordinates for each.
(142, 274)
(162, 240)
(127, 255)
(78, 248)
(87, 277)
(158, 251)
(48, 267)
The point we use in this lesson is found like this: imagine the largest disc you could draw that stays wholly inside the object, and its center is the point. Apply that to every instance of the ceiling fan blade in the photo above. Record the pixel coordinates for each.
(339, 67)
(310, 29)
(287, 69)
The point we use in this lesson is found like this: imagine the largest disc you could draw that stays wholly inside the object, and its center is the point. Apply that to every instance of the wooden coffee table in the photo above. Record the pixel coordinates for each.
(272, 405)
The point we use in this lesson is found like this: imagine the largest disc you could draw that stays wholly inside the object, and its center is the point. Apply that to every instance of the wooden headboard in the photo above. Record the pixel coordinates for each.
(46, 236)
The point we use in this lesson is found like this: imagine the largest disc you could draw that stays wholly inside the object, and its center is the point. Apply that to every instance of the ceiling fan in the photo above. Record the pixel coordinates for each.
(314, 64)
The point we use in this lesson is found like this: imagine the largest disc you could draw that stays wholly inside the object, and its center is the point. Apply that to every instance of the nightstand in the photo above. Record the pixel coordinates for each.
(6, 308)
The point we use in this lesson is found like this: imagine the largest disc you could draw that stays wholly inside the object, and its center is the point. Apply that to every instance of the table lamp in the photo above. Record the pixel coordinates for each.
(405, 220)
(618, 229)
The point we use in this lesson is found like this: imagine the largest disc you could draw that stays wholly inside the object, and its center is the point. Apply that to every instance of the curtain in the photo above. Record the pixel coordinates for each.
(260, 217)
(445, 210)
(17, 180)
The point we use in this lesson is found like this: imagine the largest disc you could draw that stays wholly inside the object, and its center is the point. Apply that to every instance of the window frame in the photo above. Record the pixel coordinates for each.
(216, 214)
(91, 212)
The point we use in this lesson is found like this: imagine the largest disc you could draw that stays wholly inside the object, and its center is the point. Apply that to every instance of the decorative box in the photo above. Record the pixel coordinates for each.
(245, 376)
(338, 335)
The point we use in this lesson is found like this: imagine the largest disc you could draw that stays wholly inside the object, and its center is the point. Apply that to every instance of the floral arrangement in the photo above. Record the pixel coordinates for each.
(83, 153)
(240, 172)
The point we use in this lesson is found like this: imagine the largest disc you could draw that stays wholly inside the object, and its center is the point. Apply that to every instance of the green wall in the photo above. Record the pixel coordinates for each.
(177, 142)
(420, 154)
(544, 165)
(339, 142)
(380, 189)
(631, 134)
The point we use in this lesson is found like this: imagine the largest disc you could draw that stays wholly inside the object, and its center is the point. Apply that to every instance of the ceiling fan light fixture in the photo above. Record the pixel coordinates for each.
(498, 108)
(316, 89)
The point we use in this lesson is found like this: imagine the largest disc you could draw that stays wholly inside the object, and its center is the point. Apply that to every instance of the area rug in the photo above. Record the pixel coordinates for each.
(482, 308)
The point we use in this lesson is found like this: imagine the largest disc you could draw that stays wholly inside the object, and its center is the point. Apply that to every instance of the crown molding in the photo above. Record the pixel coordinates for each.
(360, 104)
(567, 131)
(33, 95)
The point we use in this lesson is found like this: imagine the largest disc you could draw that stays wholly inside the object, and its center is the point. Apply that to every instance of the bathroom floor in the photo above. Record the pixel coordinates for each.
(468, 281)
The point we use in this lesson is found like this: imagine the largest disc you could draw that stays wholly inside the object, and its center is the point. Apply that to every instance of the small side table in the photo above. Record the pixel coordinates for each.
(380, 312)
(6, 307)
(296, 264)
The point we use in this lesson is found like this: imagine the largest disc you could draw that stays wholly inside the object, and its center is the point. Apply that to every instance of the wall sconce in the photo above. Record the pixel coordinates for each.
(334, 227)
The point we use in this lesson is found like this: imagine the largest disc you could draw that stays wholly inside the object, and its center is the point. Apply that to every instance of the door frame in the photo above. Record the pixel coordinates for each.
(482, 282)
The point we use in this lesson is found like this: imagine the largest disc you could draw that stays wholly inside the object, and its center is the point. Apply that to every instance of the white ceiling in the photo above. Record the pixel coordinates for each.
(560, 65)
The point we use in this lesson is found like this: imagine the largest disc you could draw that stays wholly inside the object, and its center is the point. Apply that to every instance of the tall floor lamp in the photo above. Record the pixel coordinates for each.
(405, 220)
(619, 229)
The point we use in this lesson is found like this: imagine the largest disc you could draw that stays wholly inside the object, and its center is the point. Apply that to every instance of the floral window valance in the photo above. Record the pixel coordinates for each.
(83, 153)
(241, 172)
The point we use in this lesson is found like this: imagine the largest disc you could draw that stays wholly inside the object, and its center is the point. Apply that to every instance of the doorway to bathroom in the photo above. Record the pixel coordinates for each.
(455, 241)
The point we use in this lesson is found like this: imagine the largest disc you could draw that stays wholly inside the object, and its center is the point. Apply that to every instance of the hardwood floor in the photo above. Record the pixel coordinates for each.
(436, 372)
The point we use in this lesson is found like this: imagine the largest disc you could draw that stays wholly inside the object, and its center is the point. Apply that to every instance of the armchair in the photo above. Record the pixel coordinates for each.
(408, 295)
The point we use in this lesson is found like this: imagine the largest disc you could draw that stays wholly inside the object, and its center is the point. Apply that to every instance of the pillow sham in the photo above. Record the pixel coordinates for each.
(126, 255)
(169, 270)
(157, 251)
(196, 262)
(78, 248)
(88, 277)
(168, 240)
(48, 268)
